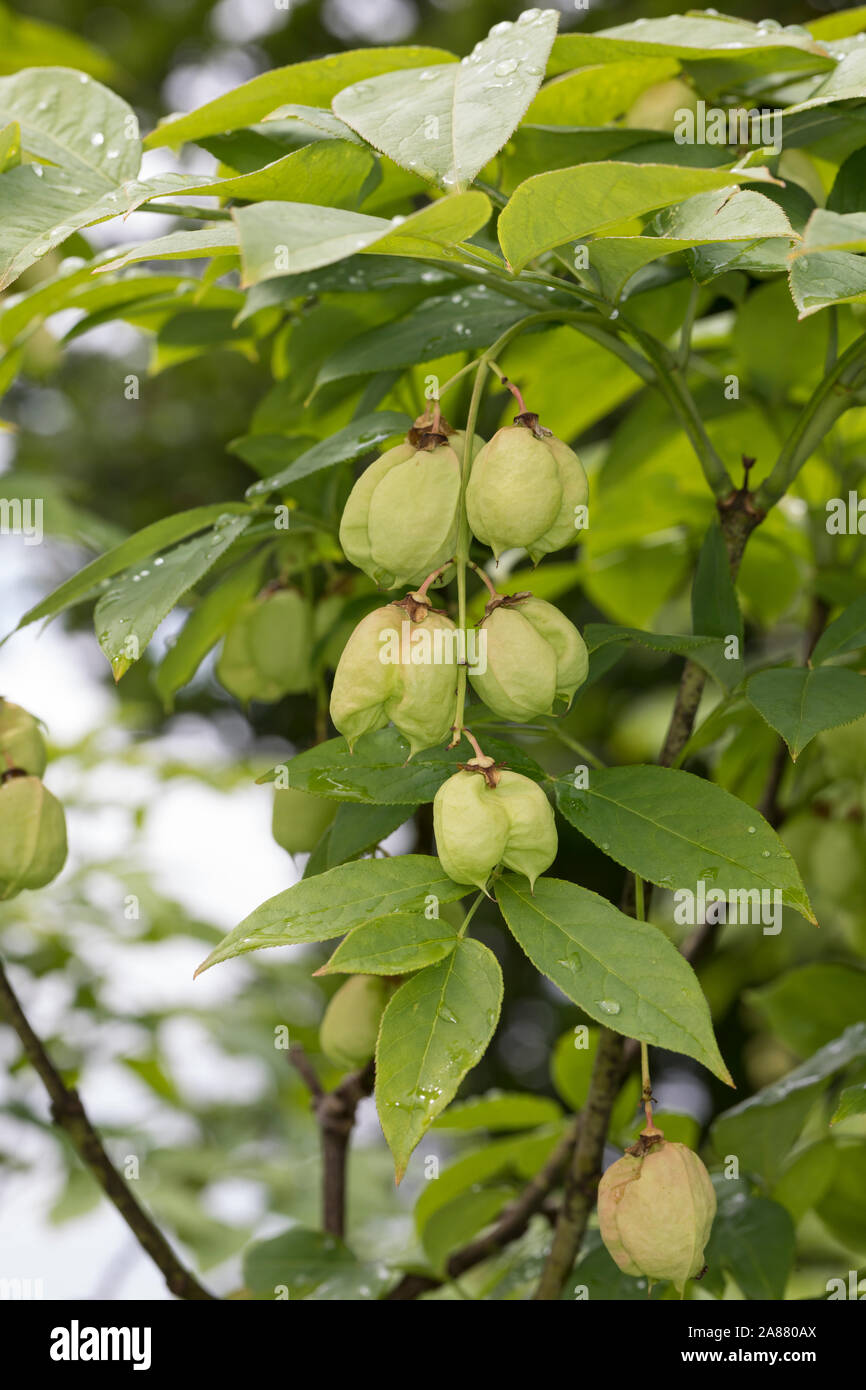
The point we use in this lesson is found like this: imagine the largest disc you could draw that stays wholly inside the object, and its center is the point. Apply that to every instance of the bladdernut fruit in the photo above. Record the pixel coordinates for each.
(399, 665)
(533, 657)
(655, 1208)
(299, 819)
(21, 741)
(524, 489)
(401, 520)
(32, 834)
(266, 651)
(350, 1027)
(485, 816)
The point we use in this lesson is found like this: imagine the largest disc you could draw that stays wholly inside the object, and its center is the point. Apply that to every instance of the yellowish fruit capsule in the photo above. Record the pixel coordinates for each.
(401, 519)
(655, 1210)
(300, 820)
(350, 1027)
(32, 835)
(399, 668)
(266, 652)
(485, 816)
(21, 741)
(524, 490)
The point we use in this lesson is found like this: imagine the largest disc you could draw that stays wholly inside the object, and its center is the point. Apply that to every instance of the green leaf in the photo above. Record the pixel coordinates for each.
(70, 121)
(454, 1224)
(800, 703)
(446, 122)
(128, 614)
(500, 1110)
(433, 1031)
(218, 240)
(520, 1157)
(470, 319)
(852, 1101)
(821, 278)
(357, 829)
(570, 204)
(806, 1178)
(753, 1238)
(205, 625)
(377, 773)
(326, 173)
(141, 546)
(708, 652)
(847, 633)
(277, 238)
(623, 973)
(330, 904)
(345, 446)
(807, 1007)
(841, 1208)
(760, 1131)
(313, 83)
(715, 606)
(673, 829)
(393, 945)
(596, 95)
(693, 37)
(301, 1263)
(706, 219)
(845, 83)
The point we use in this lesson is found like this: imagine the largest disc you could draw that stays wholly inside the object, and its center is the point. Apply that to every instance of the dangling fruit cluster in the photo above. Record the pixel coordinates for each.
(32, 823)
(655, 1209)
(533, 657)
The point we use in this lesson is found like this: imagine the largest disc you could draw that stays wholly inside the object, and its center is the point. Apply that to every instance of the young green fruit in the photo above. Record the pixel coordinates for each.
(399, 665)
(350, 1027)
(533, 656)
(484, 816)
(655, 1208)
(400, 522)
(524, 489)
(21, 741)
(266, 652)
(32, 835)
(300, 820)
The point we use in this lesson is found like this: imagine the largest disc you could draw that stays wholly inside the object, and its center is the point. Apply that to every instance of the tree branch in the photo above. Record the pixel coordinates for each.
(68, 1113)
(335, 1114)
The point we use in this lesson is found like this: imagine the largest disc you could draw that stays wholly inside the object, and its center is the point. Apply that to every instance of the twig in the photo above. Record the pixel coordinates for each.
(68, 1113)
(335, 1114)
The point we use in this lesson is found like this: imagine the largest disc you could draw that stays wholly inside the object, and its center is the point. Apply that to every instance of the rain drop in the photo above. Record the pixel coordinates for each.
(608, 1006)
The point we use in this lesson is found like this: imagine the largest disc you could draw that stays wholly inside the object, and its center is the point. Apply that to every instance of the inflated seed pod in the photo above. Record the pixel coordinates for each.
(485, 816)
(401, 519)
(32, 835)
(397, 668)
(350, 1026)
(656, 1210)
(21, 741)
(533, 656)
(266, 651)
(523, 490)
(300, 820)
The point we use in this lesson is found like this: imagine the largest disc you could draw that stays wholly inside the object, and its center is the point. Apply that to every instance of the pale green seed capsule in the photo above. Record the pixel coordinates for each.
(479, 826)
(266, 651)
(300, 820)
(32, 835)
(519, 681)
(656, 1212)
(399, 670)
(350, 1028)
(524, 490)
(21, 741)
(532, 840)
